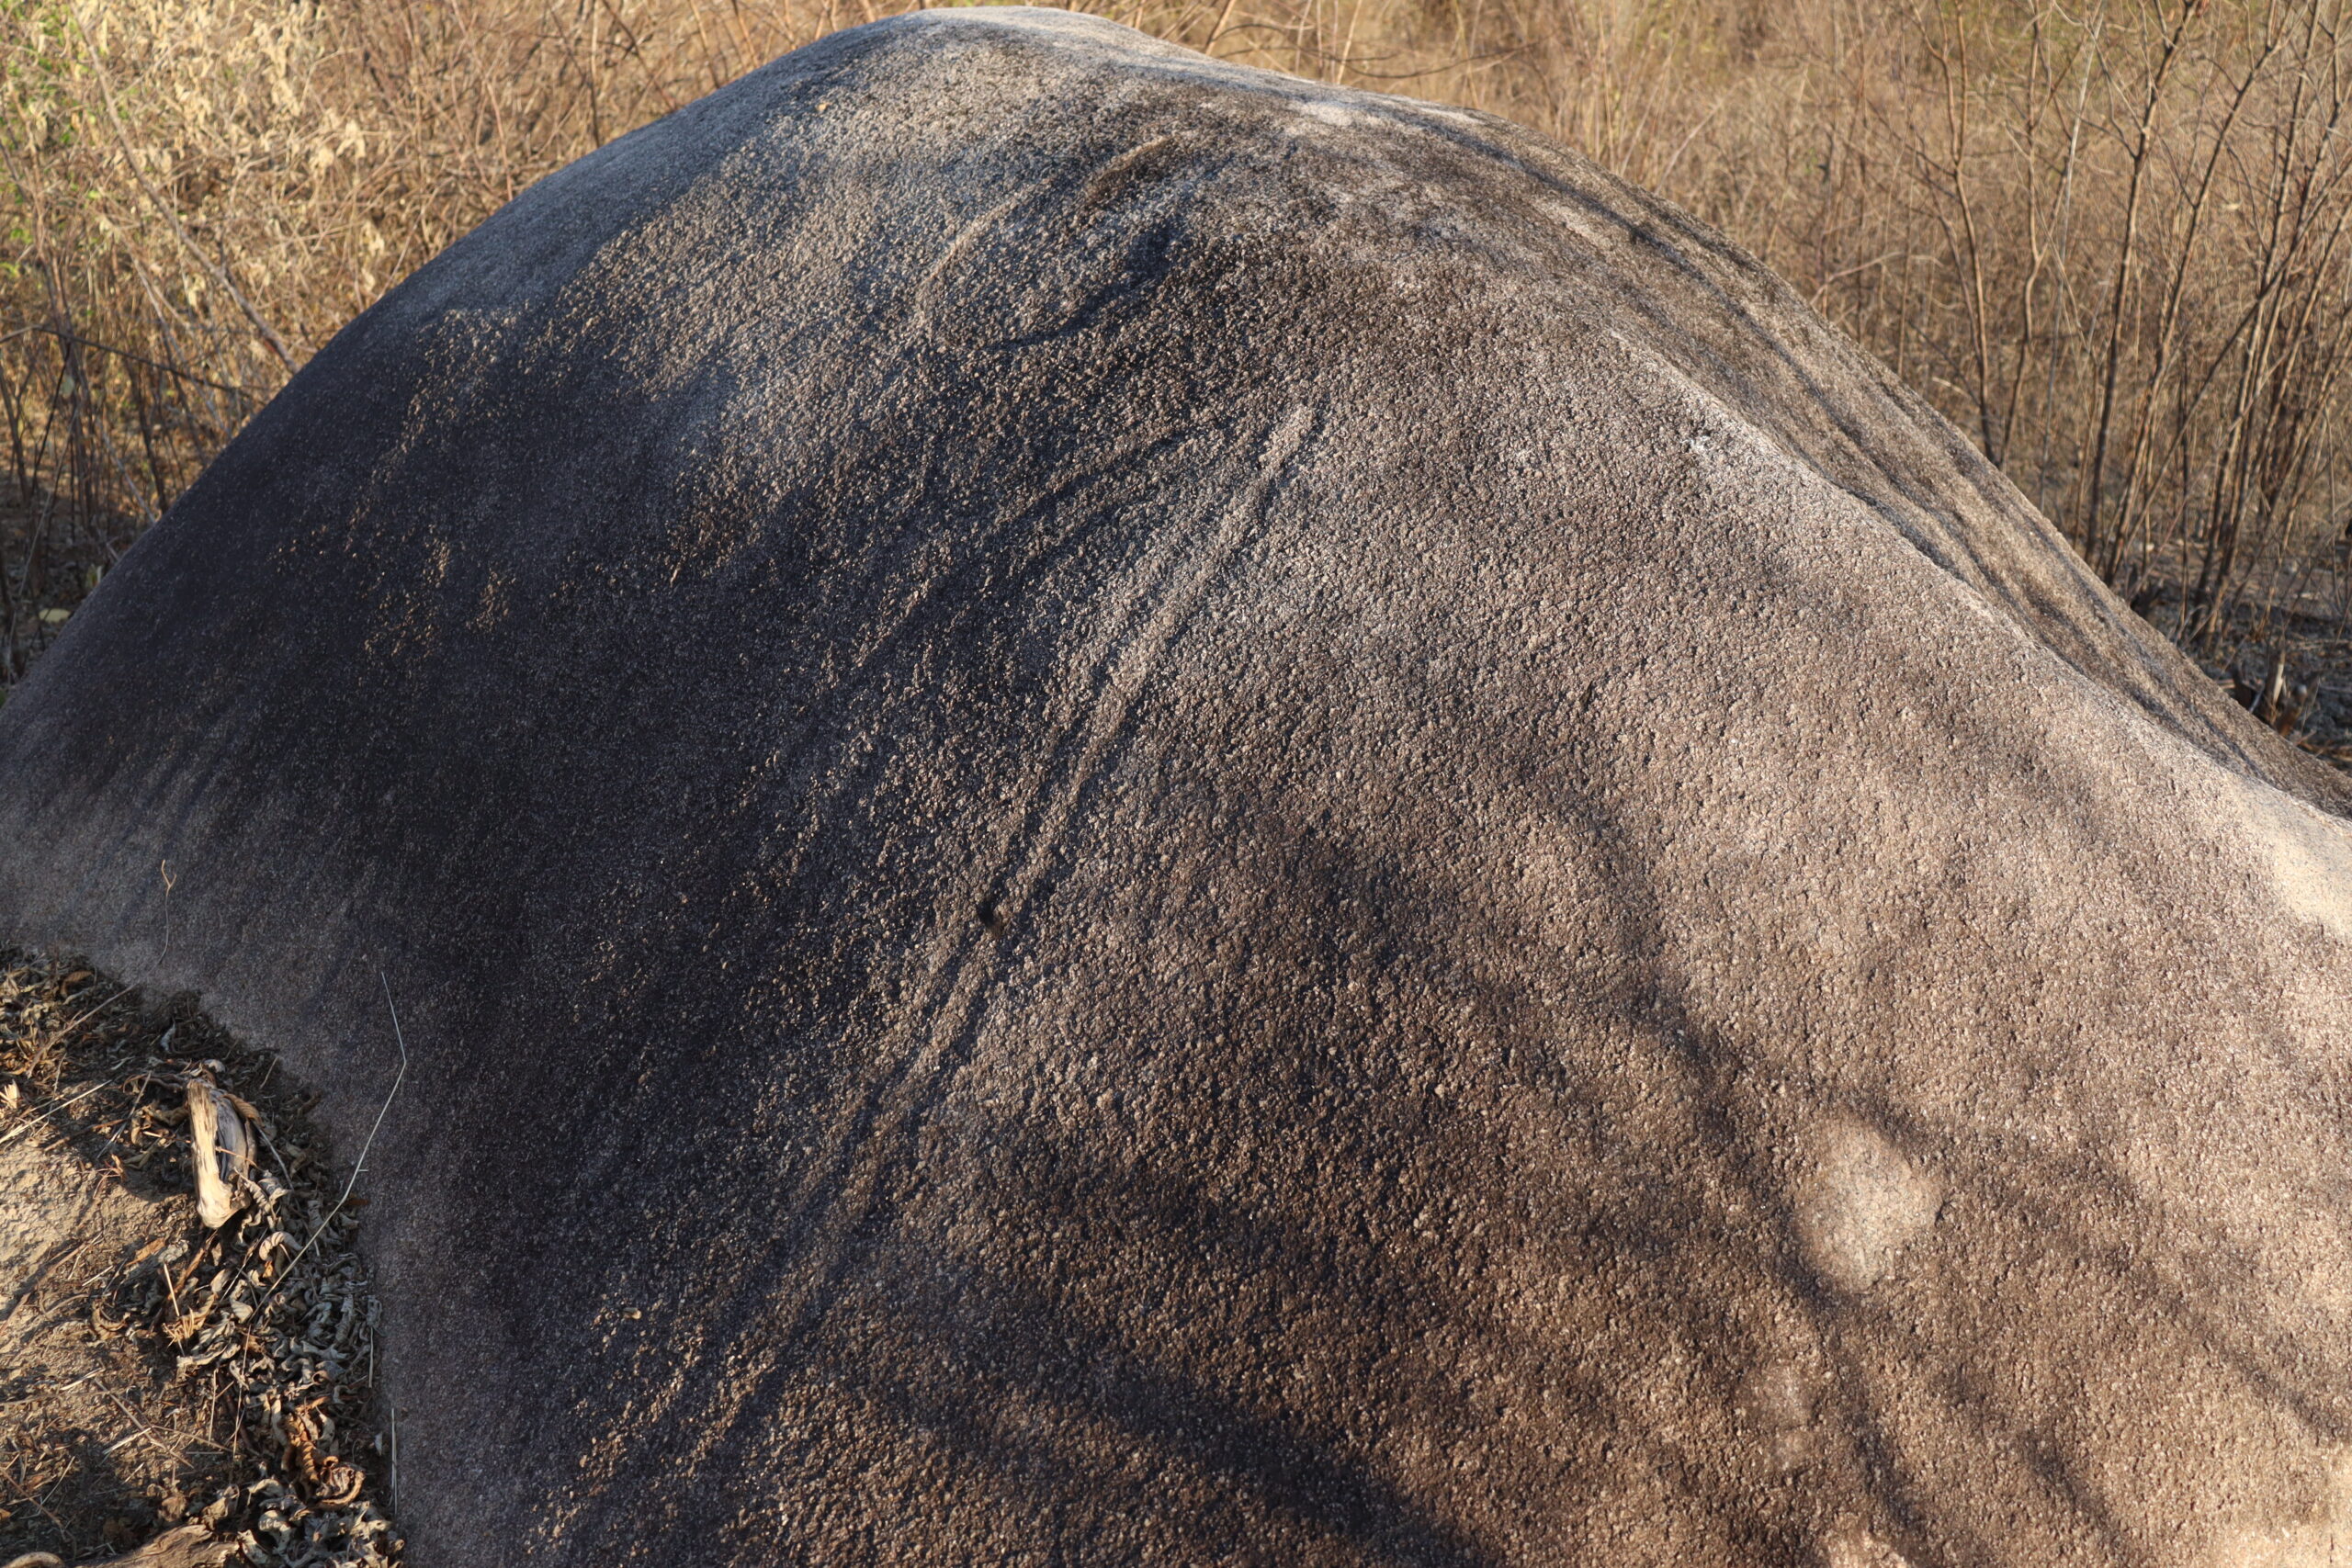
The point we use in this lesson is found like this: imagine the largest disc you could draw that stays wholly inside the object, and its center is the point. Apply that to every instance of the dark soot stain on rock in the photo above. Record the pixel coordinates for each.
(1128, 812)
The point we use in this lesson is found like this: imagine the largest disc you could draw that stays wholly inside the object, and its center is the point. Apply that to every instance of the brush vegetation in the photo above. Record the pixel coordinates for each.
(2112, 241)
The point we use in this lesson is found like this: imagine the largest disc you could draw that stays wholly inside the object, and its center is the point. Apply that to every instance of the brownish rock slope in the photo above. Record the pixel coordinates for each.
(1131, 813)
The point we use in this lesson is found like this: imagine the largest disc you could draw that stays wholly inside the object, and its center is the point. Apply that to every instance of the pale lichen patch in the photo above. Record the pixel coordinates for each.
(1851, 1546)
(1859, 1203)
(2310, 856)
(2321, 1539)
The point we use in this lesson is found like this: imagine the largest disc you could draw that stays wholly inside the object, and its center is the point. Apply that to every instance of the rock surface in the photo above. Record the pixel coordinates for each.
(1126, 812)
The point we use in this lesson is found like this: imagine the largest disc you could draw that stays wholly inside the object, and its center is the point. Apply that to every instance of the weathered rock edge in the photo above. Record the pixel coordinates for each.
(1128, 812)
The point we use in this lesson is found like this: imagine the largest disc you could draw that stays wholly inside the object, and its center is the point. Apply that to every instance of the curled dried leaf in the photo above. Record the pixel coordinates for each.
(221, 1151)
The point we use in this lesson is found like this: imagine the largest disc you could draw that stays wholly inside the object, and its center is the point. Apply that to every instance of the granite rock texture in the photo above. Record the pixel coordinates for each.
(1127, 812)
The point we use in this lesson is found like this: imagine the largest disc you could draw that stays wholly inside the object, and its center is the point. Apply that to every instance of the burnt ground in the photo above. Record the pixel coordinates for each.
(52, 553)
(153, 1371)
(2286, 654)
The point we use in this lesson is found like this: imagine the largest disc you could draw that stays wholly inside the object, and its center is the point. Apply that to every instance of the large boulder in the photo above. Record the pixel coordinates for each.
(1127, 812)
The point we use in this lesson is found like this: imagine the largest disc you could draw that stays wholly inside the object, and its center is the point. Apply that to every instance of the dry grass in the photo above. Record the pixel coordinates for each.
(2112, 241)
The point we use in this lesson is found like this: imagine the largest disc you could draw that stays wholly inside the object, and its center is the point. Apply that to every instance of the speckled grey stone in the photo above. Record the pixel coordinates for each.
(1130, 813)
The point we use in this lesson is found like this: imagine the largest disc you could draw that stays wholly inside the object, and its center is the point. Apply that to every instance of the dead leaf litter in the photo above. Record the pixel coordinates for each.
(187, 1343)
